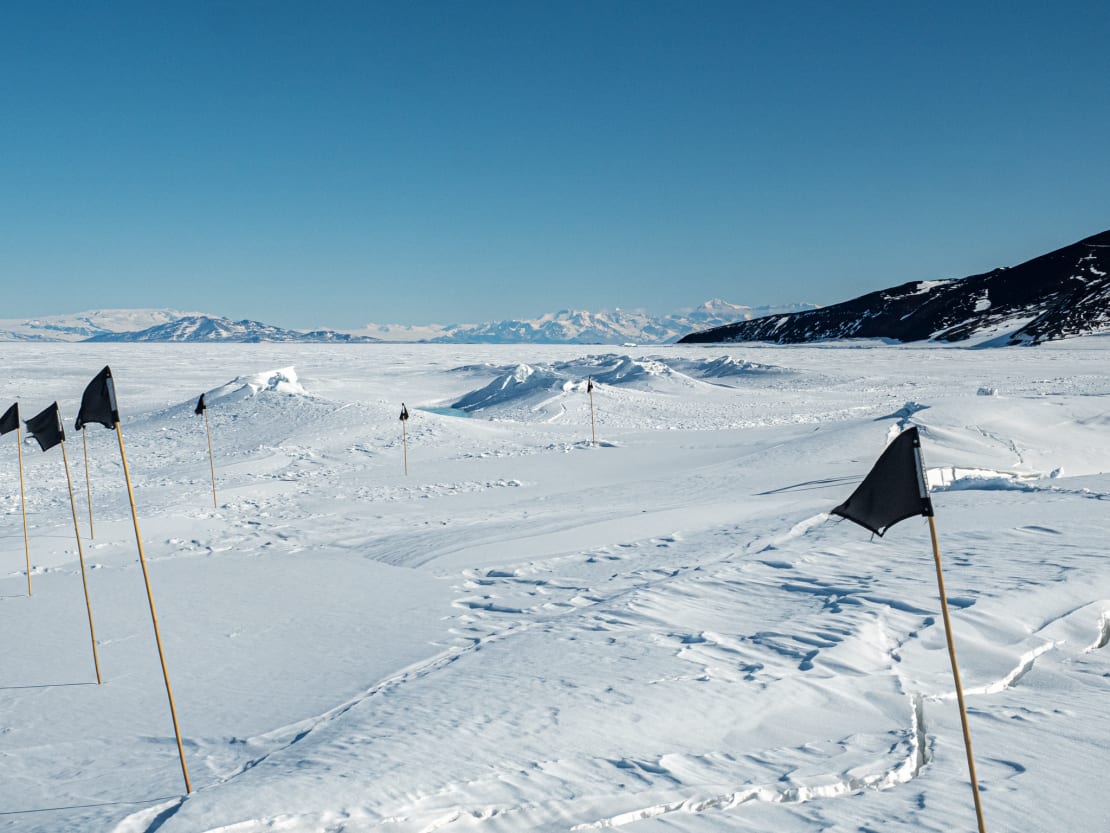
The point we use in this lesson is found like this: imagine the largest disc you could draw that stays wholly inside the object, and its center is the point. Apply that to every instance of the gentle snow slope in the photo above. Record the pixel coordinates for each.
(529, 633)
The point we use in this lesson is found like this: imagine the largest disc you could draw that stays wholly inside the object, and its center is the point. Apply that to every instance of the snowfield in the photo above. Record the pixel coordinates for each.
(530, 633)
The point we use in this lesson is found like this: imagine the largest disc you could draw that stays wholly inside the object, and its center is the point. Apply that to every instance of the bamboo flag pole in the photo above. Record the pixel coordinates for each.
(23, 504)
(202, 408)
(153, 613)
(46, 427)
(211, 459)
(98, 404)
(88, 482)
(81, 556)
(897, 488)
(9, 421)
(405, 437)
(956, 677)
(590, 391)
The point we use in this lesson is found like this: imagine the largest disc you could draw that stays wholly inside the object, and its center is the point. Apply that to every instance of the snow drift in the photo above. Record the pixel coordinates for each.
(536, 388)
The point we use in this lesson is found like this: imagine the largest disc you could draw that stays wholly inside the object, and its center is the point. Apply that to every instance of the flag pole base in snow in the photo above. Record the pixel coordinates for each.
(956, 677)
(81, 557)
(153, 614)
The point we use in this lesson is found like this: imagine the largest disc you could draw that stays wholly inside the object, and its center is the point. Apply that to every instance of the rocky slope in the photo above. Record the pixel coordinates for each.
(1060, 294)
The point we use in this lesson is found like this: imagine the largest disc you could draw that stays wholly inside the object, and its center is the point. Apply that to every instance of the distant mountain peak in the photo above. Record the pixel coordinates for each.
(616, 326)
(208, 328)
(79, 326)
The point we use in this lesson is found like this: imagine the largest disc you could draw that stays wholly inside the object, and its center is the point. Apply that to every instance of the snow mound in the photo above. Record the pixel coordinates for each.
(522, 382)
(534, 386)
(726, 366)
(283, 380)
(652, 369)
(632, 371)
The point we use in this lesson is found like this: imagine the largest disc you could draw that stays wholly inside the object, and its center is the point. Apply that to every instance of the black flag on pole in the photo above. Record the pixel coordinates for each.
(98, 404)
(46, 427)
(404, 412)
(201, 407)
(589, 384)
(10, 420)
(893, 490)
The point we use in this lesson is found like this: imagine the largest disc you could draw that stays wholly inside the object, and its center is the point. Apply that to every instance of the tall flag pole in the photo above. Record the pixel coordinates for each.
(10, 422)
(98, 404)
(46, 427)
(404, 436)
(201, 408)
(590, 391)
(895, 489)
(88, 482)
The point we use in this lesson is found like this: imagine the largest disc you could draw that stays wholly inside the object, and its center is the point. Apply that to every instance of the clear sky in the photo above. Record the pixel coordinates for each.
(335, 163)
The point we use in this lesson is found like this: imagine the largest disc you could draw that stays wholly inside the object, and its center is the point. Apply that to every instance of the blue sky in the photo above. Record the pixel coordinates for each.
(331, 164)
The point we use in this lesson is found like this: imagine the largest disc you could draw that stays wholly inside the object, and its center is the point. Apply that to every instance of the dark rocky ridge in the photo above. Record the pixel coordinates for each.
(1060, 294)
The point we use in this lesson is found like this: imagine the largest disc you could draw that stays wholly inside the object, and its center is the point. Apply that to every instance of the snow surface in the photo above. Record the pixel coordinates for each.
(530, 633)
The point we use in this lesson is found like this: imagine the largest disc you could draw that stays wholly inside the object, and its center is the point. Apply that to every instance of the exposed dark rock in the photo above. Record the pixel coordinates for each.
(1063, 293)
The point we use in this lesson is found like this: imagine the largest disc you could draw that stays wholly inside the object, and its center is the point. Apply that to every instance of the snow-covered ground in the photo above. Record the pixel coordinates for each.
(529, 633)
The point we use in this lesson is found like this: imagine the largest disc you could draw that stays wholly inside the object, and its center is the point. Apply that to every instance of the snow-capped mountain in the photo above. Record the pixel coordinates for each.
(1063, 293)
(716, 312)
(212, 328)
(563, 327)
(615, 327)
(80, 326)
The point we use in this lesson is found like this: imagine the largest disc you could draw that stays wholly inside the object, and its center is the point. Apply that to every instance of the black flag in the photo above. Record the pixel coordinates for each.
(10, 420)
(201, 407)
(589, 384)
(98, 404)
(404, 412)
(46, 427)
(893, 490)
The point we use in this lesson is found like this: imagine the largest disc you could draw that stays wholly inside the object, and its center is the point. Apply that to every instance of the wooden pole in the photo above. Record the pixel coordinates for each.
(211, 459)
(593, 433)
(405, 446)
(153, 614)
(88, 483)
(23, 503)
(81, 556)
(956, 677)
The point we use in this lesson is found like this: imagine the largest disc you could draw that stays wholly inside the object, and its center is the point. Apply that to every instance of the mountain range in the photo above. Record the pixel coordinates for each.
(563, 327)
(1060, 294)
(612, 327)
(209, 328)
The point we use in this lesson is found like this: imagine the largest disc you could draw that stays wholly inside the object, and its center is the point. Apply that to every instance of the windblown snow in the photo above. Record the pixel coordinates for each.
(283, 380)
(665, 631)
